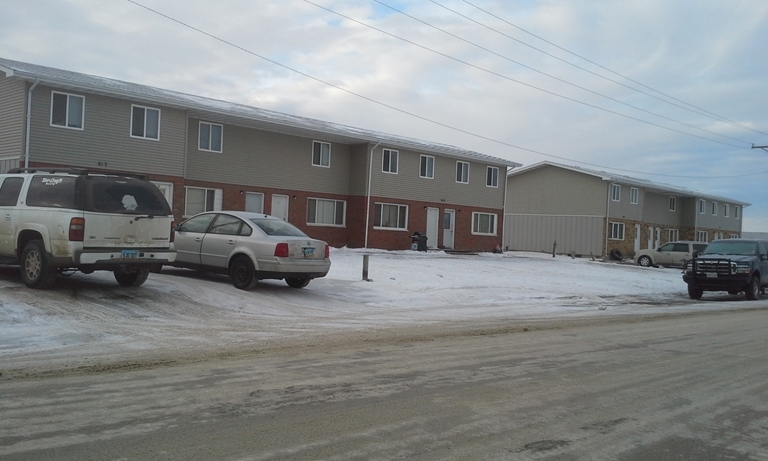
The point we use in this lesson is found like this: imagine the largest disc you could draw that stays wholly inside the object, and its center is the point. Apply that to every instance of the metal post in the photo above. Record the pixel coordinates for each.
(365, 267)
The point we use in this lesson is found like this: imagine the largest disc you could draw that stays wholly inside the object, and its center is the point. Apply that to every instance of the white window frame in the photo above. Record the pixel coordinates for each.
(714, 208)
(335, 204)
(492, 224)
(673, 235)
(321, 162)
(702, 236)
(634, 195)
(726, 210)
(702, 206)
(492, 176)
(672, 203)
(616, 192)
(462, 172)
(208, 126)
(390, 160)
(379, 217)
(736, 210)
(427, 167)
(67, 122)
(216, 198)
(144, 127)
(617, 230)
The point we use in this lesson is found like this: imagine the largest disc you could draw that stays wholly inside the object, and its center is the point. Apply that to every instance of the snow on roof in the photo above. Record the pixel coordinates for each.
(237, 114)
(628, 180)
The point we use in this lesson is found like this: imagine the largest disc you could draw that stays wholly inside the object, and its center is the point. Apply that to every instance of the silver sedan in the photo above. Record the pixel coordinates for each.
(250, 247)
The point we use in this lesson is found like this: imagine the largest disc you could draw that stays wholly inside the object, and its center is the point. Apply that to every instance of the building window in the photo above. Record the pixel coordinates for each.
(254, 202)
(145, 122)
(616, 192)
(672, 203)
(492, 176)
(67, 110)
(484, 223)
(736, 212)
(389, 161)
(726, 210)
(211, 136)
(199, 199)
(634, 195)
(702, 206)
(714, 208)
(321, 154)
(391, 216)
(427, 167)
(325, 212)
(617, 231)
(462, 172)
(702, 236)
(673, 235)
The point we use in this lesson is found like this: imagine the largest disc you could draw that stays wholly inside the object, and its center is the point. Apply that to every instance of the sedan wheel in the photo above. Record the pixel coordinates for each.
(242, 273)
(645, 261)
(297, 282)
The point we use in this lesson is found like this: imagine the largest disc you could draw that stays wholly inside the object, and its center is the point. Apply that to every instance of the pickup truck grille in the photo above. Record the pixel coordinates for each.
(719, 267)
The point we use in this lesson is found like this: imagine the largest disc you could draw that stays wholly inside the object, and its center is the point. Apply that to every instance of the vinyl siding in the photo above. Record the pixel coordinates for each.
(12, 109)
(624, 209)
(554, 191)
(656, 210)
(719, 222)
(579, 234)
(407, 185)
(105, 141)
(267, 159)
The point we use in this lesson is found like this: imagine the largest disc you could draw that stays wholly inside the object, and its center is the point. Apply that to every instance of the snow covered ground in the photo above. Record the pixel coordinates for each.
(87, 320)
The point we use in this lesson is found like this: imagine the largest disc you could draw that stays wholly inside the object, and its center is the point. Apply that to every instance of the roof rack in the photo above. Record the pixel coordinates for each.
(76, 171)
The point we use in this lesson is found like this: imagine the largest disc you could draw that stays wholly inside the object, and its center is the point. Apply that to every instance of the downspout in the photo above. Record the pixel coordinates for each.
(29, 122)
(504, 206)
(368, 193)
(607, 218)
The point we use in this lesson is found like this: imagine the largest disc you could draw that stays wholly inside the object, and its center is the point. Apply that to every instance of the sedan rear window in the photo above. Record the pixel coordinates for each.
(278, 228)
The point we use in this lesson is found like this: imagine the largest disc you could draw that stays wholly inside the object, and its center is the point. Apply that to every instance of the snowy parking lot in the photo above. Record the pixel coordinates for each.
(90, 322)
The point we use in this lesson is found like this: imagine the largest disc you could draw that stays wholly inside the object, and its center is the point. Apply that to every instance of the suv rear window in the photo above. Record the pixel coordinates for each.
(120, 195)
(53, 191)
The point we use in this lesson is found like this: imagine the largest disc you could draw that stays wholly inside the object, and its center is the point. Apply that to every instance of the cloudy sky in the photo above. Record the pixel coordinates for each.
(674, 91)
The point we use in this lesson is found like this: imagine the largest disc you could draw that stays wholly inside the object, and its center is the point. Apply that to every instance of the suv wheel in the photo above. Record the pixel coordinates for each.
(694, 292)
(131, 278)
(297, 282)
(242, 273)
(753, 288)
(35, 271)
(645, 261)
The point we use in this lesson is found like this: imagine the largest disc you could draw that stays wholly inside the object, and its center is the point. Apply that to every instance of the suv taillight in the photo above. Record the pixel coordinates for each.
(173, 231)
(281, 250)
(327, 251)
(76, 229)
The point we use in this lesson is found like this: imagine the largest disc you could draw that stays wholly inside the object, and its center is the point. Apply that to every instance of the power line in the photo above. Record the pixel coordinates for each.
(402, 111)
(690, 107)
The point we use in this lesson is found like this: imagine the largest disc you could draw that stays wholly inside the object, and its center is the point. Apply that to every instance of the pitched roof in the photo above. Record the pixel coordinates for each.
(630, 181)
(233, 113)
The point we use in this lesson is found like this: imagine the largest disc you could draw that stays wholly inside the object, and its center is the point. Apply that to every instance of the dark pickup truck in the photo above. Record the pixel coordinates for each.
(732, 265)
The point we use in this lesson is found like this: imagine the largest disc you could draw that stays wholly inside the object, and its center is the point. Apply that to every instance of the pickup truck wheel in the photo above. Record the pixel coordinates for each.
(131, 278)
(694, 292)
(297, 282)
(753, 288)
(35, 270)
(644, 261)
(242, 273)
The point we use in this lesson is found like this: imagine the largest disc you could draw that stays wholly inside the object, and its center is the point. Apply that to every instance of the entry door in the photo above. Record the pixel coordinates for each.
(449, 222)
(280, 206)
(637, 237)
(650, 237)
(433, 222)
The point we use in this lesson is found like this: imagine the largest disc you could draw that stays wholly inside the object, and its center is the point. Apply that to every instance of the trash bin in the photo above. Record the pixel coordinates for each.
(418, 242)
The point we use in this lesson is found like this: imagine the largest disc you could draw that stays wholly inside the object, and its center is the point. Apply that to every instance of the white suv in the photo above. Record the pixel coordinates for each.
(60, 220)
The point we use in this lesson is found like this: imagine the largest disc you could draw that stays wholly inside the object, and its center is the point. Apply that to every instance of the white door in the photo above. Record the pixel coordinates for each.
(449, 221)
(254, 202)
(637, 237)
(433, 222)
(650, 237)
(280, 206)
(657, 234)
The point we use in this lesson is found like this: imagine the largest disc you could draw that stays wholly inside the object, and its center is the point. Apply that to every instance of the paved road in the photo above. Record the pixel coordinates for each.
(693, 387)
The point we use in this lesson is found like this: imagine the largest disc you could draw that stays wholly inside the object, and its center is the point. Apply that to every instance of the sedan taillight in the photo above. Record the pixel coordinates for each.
(76, 229)
(281, 250)
(327, 251)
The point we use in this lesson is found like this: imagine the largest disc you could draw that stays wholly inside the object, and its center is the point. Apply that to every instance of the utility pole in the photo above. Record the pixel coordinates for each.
(765, 148)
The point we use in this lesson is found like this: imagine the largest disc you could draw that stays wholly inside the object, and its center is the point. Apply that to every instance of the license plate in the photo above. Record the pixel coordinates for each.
(308, 252)
(128, 254)
(711, 275)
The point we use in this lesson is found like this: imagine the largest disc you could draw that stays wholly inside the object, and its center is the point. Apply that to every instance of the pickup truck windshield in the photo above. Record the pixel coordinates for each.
(731, 248)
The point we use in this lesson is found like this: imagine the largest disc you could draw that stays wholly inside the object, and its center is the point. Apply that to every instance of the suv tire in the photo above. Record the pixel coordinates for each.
(35, 270)
(131, 278)
(644, 261)
(753, 288)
